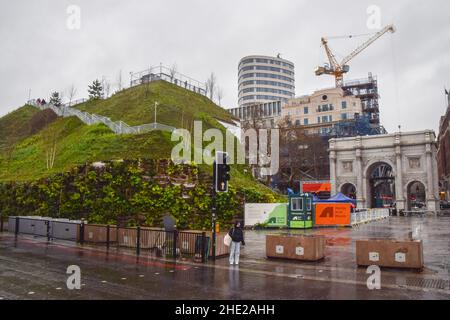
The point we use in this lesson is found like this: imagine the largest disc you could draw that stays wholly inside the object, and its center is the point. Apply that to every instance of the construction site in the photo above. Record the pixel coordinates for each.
(351, 108)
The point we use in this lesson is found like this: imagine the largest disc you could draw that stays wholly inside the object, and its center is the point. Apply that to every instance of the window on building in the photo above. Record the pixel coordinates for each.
(318, 119)
(343, 116)
(297, 122)
(296, 204)
(331, 107)
(319, 109)
(325, 107)
(330, 118)
(324, 118)
(344, 104)
(305, 110)
(305, 121)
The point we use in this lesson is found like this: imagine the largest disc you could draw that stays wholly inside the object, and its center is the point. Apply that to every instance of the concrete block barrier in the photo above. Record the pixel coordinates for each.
(390, 253)
(295, 247)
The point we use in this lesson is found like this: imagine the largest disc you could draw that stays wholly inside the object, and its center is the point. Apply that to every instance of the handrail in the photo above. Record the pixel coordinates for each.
(118, 127)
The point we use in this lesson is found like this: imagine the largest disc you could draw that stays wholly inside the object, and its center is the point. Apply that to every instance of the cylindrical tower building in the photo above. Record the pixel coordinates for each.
(263, 79)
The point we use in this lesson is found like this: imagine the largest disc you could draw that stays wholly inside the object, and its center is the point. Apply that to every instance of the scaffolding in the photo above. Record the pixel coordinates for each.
(360, 126)
(366, 90)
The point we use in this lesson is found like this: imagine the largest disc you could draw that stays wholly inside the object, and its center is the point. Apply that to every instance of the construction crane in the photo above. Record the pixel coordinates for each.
(338, 69)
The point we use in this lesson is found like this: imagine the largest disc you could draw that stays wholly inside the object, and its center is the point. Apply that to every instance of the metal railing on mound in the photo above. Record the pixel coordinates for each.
(118, 127)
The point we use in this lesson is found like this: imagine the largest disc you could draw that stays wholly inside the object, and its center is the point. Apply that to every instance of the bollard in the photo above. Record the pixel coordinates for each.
(138, 241)
(17, 226)
(48, 229)
(1, 223)
(82, 232)
(202, 247)
(175, 239)
(107, 237)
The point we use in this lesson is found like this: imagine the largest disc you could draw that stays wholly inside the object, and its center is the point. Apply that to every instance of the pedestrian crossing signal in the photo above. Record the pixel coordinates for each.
(221, 172)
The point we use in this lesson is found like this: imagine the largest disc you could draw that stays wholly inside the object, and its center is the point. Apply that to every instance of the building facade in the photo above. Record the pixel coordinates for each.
(444, 154)
(399, 168)
(319, 111)
(367, 91)
(261, 115)
(264, 79)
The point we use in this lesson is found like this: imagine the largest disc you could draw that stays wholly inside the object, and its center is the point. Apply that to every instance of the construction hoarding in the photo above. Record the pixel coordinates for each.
(270, 214)
(332, 214)
(315, 187)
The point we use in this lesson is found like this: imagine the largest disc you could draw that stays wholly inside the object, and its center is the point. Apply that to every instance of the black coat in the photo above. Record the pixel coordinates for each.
(236, 234)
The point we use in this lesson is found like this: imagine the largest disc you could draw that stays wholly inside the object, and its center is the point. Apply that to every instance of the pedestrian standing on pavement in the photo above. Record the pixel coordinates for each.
(237, 236)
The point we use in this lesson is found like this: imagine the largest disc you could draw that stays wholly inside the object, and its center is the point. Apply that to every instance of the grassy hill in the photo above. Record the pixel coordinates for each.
(177, 107)
(15, 125)
(77, 143)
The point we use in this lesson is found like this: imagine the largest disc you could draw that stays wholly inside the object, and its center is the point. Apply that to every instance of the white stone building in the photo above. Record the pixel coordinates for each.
(323, 108)
(405, 161)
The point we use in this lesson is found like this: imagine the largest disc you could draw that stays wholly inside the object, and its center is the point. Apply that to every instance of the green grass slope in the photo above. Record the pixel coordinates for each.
(78, 143)
(177, 107)
(15, 125)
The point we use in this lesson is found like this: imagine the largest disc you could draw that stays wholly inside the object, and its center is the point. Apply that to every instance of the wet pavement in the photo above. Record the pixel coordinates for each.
(31, 268)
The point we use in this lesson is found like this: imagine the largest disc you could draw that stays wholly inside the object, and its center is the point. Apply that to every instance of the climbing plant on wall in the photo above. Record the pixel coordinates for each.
(134, 192)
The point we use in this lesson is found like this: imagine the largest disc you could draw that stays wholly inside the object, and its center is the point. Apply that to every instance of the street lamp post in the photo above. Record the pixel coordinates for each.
(156, 105)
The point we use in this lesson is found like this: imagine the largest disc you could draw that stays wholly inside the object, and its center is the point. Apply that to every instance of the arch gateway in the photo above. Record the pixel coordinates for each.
(381, 170)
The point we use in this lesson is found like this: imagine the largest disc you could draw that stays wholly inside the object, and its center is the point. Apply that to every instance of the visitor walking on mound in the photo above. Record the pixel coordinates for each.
(237, 236)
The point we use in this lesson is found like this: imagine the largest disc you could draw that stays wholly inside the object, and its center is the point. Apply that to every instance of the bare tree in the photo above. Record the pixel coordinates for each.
(119, 81)
(50, 136)
(211, 85)
(71, 92)
(147, 82)
(302, 155)
(107, 86)
(219, 95)
(173, 71)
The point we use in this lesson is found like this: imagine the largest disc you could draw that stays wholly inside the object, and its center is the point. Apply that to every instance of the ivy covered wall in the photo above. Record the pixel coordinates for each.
(129, 192)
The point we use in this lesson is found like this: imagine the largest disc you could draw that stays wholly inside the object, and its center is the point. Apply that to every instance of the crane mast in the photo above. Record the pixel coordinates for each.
(338, 69)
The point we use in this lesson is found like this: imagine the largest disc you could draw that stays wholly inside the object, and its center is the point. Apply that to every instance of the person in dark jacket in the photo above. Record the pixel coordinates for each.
(237, 236)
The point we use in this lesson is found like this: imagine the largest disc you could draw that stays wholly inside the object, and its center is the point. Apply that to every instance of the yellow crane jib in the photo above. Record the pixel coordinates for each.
(338, 69)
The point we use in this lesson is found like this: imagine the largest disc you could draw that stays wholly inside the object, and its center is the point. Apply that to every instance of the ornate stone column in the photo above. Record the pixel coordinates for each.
(399, 196)
(360, 189)
(333, 176)
(431, 201)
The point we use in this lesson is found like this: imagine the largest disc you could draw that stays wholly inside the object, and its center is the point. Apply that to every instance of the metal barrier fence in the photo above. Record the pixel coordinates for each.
(62, 229)
(195, 245)
(369, 215)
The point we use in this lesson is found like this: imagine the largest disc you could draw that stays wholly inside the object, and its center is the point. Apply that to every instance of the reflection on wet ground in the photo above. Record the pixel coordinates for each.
(33, 269)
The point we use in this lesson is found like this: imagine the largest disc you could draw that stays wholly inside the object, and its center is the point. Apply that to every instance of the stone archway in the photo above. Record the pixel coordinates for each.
(416, 195)
(349, 190)
(380, 181)
(410, 155)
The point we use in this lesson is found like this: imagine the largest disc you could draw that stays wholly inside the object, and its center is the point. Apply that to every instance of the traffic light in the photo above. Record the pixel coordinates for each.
(221, 172)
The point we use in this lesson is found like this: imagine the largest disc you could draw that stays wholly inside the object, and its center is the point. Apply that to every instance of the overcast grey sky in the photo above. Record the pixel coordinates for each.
(40, 53)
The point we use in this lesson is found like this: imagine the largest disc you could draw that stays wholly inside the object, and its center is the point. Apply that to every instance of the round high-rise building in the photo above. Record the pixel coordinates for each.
(263, 79)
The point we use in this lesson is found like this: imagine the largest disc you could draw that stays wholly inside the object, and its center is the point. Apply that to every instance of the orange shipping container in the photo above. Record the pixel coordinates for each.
(332, 214)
